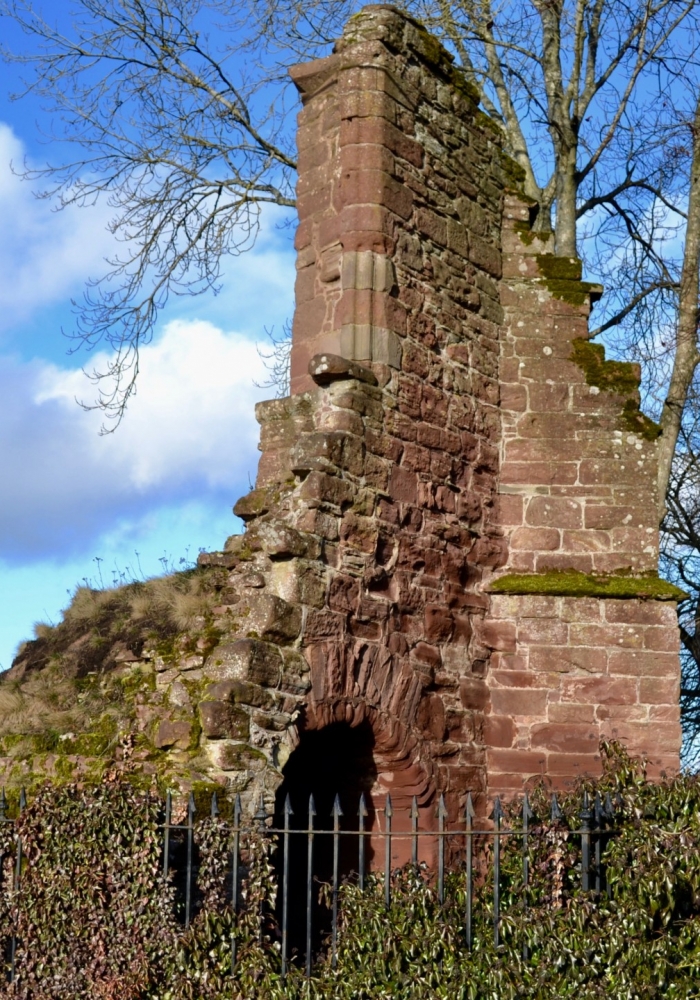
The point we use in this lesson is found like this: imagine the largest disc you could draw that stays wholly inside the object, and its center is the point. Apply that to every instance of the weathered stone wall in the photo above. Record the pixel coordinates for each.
(388, 472)
(577, 491)
(451, 445)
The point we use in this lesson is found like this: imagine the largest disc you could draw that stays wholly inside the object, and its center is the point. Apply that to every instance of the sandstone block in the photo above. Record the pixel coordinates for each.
(575, 765)
(516, 762)
(474, 693)
(319, 486)
(536, 539)
(554, 512)
(280, 541)
(327, 368)
(571, 712)
(240, 693)
(565, 738)
(322, 625)
(643, 663)
(247, 660)
(222, 720)
(660, 690)
(484, 255)
(232, 756)
(600, 690)
(519, 702)
(499, 731)
(173, 734)
(499, 635)
(325, 452)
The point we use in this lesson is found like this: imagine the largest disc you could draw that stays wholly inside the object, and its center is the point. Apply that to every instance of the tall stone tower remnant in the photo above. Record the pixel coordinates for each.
(453, 539)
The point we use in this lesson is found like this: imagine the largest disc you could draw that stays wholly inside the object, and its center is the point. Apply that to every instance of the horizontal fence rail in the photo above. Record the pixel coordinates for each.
(298, 889)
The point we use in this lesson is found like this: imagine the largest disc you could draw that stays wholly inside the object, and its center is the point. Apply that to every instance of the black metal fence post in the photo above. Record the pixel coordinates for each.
(497, 817)
(362, 814)
(469, 836)
(166, 833)
(191, 809)
(288, 813)
(337, 813)
(586, 816)
(309, 885)
(599, 822)
(388, 813)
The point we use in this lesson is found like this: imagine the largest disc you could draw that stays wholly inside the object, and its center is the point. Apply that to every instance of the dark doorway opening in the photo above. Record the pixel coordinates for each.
(336, 760)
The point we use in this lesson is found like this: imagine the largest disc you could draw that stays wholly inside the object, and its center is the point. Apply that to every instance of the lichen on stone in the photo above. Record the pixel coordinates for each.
(573, 583)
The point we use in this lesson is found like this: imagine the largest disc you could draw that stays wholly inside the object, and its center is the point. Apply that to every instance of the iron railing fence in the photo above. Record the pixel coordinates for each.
(477, 840)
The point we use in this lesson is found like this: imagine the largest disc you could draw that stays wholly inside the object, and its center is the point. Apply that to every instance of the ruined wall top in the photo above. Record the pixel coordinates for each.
(392, 150)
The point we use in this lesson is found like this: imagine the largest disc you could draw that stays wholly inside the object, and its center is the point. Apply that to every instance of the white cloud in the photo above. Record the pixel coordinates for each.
(190, 433)
(45, 255)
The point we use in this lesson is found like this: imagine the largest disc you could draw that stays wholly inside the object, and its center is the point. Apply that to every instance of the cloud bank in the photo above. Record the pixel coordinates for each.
(190, 432)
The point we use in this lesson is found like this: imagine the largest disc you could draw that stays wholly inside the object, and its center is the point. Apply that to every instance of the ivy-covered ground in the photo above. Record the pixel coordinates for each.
(94, 917)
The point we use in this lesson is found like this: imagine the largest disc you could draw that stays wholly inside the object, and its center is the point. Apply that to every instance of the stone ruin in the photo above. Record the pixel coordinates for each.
(455, 517)
(447, 580)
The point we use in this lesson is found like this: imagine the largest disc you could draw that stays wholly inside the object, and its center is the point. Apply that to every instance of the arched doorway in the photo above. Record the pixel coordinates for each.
(335, 760)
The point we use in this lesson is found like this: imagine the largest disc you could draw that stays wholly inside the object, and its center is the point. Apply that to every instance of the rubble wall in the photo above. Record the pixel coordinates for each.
(373, 508)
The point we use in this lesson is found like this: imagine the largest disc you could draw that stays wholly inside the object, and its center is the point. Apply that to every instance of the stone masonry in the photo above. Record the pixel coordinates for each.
(443, 498)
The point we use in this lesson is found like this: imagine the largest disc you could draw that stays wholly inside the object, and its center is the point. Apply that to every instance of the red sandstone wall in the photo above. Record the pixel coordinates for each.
(390, 148)
(372, 513)
(577, 490)
(392, 495)
(397, 238)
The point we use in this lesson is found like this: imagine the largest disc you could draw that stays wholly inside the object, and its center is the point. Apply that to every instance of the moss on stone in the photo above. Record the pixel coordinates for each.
(195, 729)
(559, 268)
(202, 792)
(610, 376)
(638, 422)
(572, 583)
(10, 742)
(239, 758)
(465, 87)
(431, 49)
(64, 768)
(524, 231)
(47, 742)
(614, 376)
(514, 173)
(562, 277)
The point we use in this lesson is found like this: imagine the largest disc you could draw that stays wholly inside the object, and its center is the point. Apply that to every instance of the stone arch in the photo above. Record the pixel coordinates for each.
(400, 771)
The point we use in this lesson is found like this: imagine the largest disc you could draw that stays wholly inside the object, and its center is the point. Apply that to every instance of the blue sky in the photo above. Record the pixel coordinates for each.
(75, 505)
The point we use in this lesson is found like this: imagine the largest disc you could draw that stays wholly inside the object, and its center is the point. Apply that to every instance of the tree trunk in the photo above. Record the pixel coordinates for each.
(565, 229)
(686, 355)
